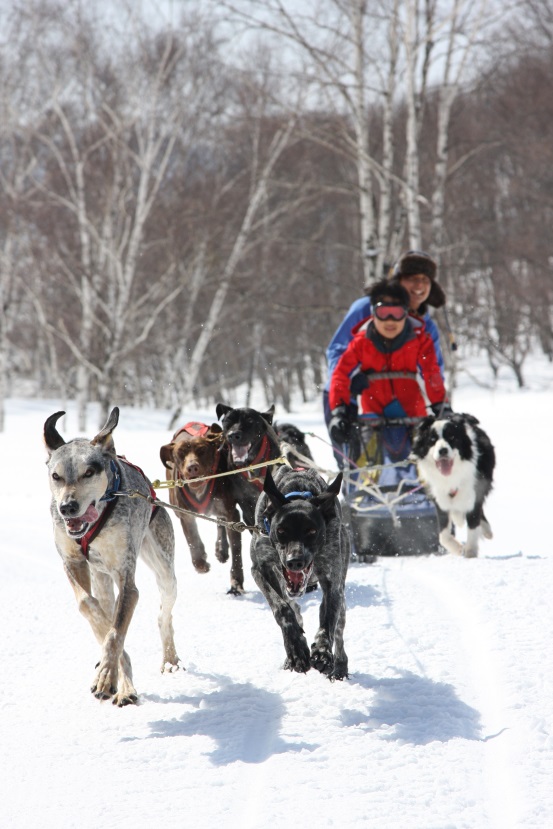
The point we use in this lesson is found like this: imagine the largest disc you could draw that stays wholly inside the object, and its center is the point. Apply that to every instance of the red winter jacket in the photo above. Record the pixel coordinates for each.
(416, 352)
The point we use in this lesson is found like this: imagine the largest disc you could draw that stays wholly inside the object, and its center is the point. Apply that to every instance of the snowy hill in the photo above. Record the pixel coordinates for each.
(446, 719)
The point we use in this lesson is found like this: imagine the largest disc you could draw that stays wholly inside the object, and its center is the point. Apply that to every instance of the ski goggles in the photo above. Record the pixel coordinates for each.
(389, 311)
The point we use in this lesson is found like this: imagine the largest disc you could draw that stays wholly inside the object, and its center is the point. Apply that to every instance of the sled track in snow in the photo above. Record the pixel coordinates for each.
(447, 635)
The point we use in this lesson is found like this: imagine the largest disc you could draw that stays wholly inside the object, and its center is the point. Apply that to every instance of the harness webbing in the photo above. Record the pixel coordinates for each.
(262, 455)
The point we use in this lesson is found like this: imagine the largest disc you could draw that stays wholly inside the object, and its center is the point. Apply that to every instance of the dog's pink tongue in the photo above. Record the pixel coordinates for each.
(445, 465)
(240, 453)
(88, 517)
(296, 578)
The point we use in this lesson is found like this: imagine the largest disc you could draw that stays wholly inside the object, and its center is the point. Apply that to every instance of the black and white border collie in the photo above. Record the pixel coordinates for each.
(455, 459)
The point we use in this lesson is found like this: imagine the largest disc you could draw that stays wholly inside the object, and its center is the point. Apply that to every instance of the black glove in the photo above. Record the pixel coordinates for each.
(442, 410)
(358, 383)
(339, 426)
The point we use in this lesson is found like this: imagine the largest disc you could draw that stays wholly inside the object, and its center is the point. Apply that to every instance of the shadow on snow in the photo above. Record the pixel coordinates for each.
(413, 709)
(242, 719)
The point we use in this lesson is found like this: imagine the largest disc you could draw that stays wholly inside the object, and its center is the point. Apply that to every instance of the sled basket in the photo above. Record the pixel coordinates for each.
(385, 505)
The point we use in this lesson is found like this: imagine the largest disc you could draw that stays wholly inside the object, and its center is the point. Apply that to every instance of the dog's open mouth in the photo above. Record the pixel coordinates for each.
(296, 580)
(77, 527)
(445, 465)
(240, 453)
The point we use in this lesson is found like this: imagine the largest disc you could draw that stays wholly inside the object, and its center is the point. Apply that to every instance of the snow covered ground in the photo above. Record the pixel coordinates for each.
(445, 723)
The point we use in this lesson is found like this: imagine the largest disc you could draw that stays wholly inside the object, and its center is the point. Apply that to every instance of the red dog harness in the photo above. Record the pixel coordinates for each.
(111, 496)
(257, 476)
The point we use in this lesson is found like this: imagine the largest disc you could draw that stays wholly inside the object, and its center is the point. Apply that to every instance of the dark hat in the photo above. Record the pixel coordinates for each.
(384, 289)
(417, 261)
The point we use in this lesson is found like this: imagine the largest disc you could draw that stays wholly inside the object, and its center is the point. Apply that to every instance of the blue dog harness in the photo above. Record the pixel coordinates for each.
(296, 494)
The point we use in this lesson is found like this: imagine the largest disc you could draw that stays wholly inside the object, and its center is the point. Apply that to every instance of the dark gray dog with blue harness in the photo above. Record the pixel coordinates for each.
(302, 533)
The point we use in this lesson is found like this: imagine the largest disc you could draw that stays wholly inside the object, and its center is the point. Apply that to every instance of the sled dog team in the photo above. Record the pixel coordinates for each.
(104, 516)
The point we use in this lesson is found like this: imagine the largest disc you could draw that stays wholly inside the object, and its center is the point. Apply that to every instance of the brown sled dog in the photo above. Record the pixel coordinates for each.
(195, 452)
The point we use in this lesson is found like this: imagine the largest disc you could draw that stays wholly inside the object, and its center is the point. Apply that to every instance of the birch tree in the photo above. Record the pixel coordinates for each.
(108, 148)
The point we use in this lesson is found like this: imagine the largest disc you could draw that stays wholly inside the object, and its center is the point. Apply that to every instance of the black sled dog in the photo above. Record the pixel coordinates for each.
(455, 459)
(293, 445)
(304, 536)
(249, 439)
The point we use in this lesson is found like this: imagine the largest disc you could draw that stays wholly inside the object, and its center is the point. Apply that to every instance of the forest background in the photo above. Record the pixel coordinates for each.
(192, 193)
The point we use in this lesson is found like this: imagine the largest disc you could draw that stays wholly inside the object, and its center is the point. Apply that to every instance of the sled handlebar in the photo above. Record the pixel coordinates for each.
(387, 421)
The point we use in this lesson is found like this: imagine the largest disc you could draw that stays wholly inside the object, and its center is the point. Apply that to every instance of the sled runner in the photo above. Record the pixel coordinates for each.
(385, 504)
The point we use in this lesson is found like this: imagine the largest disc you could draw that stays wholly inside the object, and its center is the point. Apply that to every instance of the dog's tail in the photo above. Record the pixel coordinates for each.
(486, 529)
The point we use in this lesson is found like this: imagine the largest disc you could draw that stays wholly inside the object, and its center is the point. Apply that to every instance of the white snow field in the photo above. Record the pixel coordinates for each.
(445, 722)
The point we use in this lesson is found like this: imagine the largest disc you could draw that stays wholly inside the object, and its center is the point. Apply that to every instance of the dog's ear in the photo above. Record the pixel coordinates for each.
(326, 500)
(269, 414)
(420, 435)
(166, 455)
(468, 418)
(222, 409)
(104, 437)
(215, 428)
(275, 496)
(52, 437)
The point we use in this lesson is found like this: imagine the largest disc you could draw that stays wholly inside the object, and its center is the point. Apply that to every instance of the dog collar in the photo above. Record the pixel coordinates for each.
(112, 490)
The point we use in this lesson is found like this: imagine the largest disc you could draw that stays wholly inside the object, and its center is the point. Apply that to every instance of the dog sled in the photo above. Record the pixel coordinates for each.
(384, 502)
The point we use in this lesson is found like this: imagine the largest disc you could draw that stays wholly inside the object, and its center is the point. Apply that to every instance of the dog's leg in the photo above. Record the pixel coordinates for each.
(102, 589)
(474, 519)
(485, 527)
(295, 644)
(450, 543)
(158, 553)
(236, 568)
(79, 576)
(195, 544)
(106, 682)
(221, 545)
(322, 657)
(340, 657)
(446, 537)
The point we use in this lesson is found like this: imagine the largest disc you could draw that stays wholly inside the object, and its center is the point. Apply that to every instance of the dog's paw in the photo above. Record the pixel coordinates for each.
(236, 590)
(297, 657)
(340, 671)
(470, 552)
(104, 685)
(450, 543)
(221, 555)
(125, 699)
(201, 565)
(322, 659)
(300, 666)
(171, 667)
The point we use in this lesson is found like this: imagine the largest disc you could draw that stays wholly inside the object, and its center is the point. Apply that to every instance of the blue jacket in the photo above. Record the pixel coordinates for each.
(360, 310)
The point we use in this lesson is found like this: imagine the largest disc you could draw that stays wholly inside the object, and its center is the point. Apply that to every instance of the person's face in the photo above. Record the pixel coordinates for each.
(388, 327)
(418, 287)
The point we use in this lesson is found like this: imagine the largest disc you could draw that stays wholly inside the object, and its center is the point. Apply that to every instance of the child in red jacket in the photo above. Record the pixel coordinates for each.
(393, 347)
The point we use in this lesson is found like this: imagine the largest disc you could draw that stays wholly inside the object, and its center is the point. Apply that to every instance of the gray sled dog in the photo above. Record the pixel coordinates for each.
(99, 535)
(305, 537)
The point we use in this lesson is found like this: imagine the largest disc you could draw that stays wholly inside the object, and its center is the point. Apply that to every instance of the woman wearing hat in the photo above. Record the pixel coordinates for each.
(415, 271)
